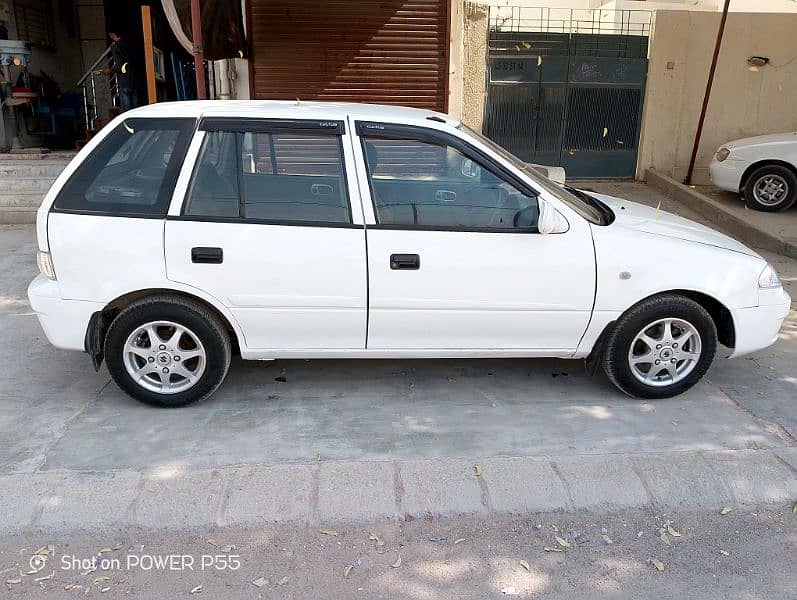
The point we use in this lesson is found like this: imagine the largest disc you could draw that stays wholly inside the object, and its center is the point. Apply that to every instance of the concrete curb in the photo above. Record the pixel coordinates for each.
(366, 491)
(719, 214)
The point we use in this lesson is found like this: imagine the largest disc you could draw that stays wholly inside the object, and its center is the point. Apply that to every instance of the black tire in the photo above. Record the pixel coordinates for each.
(784, 175)
(192, 315)
(616, 361)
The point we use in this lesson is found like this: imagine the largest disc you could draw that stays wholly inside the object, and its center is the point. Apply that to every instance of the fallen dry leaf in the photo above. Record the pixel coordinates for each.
(525, 564)
(656, 563)
(726, 510)
(605, 131)
(539, 60)
(373, 537)
(283, 581)
(725, 553)
(330, 532)
(107, 589)
(672, 531)
(70, 586)
(14, 581)
(794, 509)
(44, 550)
(397, 564)
(45, 578)
(552, 549)
(665, 538)
(346, 570)
(228, 548)
(478, 470)
(562, 542)
(458, 541)
(212, 542)
(197, 589)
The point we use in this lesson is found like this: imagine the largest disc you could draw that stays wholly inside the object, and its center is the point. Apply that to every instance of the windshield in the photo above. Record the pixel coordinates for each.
(585, 205)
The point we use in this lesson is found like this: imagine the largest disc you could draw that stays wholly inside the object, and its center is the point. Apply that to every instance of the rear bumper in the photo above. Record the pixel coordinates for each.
(64, 321)
(758, 327)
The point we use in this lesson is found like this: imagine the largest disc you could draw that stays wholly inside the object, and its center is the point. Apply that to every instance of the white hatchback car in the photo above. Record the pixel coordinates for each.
(762, 168)
(186, 232)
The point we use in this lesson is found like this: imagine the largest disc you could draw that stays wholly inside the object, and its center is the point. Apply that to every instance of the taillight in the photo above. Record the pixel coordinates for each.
(45, 263)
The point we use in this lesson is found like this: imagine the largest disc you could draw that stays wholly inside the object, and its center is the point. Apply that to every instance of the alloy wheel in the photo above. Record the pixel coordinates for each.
(164, 357)
(665, 352)
(771, 189)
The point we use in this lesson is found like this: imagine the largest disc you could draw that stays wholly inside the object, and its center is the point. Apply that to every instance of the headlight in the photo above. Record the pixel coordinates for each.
(722, 154)
(769, 278)
(45, 263)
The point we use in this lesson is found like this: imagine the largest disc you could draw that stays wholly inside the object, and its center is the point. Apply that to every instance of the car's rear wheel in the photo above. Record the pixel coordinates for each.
(167, 351)
(661, 347)
(771, 188)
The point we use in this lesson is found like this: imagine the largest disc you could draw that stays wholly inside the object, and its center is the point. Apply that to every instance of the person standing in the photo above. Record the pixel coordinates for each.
(125, 73)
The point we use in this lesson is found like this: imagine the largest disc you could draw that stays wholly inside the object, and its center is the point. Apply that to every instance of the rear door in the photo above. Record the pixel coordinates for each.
(267, 227)
(455, 258)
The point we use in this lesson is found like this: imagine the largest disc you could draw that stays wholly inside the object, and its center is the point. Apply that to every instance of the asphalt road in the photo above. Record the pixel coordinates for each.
(742, 555)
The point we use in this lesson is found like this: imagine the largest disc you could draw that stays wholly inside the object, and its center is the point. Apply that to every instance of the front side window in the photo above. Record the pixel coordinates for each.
(277, 177)
(419, 183)
(132, 172)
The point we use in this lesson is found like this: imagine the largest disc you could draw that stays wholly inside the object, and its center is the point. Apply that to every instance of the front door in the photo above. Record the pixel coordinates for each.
(454, 257)
(268, 229)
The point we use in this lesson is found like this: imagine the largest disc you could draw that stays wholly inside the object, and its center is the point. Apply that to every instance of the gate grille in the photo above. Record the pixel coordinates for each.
(566, 87)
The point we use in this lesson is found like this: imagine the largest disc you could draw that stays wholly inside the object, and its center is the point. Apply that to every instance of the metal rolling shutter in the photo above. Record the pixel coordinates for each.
(380, 51)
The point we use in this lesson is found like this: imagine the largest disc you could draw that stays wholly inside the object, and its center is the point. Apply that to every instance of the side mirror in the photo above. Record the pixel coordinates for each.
(551, 220)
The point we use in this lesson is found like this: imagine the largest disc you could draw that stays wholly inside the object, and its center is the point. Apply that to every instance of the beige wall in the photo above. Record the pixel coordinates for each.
(743, 102)
(468, 67)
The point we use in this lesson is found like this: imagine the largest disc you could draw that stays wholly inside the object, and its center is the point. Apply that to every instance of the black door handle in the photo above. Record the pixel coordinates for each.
(408, 262)
(208, 256)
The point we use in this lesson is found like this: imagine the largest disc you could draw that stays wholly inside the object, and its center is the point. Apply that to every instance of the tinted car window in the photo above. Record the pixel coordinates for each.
(294, 177)
(214, 186)
(418, 183)
(132, 171)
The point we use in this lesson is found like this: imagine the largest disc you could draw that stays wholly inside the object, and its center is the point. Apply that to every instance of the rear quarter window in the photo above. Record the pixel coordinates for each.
(132, 172)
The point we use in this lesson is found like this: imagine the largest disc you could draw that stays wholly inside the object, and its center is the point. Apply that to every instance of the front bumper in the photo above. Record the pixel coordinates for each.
(727, 175)
(758, 327)
(64, 321)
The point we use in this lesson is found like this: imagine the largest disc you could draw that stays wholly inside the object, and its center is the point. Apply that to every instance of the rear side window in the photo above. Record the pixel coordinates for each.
(272, 176)
(132, 172)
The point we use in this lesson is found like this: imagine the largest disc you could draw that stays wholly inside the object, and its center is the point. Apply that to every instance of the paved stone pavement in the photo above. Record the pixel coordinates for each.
(378, 440)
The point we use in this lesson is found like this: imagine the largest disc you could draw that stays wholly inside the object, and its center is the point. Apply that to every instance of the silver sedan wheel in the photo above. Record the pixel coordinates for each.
(665, 352)
(164, 357)
(771, 190)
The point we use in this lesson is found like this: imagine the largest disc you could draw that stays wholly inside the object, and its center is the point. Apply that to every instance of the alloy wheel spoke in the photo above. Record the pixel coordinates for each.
(643, 359)
(174, 340)
(672, 371)
(138, 350)
(154, 339)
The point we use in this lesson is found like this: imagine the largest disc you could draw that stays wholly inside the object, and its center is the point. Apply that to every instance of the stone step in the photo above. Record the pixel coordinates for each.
(63, 157)
(17, 215)
(21, 199)
(25, 184)
(10, 171)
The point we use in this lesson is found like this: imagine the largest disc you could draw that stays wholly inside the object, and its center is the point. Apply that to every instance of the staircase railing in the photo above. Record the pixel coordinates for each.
(88, 83)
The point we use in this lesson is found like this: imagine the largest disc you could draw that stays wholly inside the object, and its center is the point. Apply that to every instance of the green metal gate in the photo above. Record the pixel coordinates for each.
(568, 99)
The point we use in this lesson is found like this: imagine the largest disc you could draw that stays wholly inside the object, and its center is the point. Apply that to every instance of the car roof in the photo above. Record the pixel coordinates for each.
(292, 109)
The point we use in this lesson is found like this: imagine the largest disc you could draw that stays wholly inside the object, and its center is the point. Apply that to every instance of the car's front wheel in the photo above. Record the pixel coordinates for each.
(771, 188)
(167, 351)
(661, 347)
